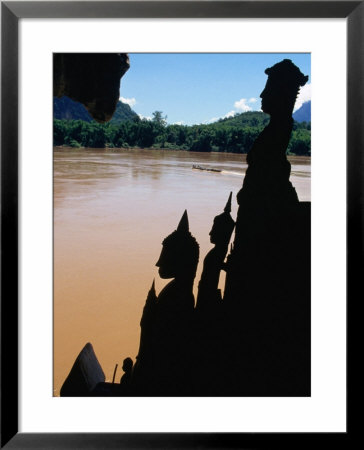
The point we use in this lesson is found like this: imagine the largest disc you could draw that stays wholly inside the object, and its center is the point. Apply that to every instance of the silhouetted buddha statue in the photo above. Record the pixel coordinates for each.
(178, 260)
(267, 197)
(174, 311)
(143, 368)
(267, 177)
(126, 379)
(209, 316)
(267, 289)
(209, 296)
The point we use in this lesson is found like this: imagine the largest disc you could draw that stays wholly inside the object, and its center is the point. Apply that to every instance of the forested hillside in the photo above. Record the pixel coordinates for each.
(235, 134)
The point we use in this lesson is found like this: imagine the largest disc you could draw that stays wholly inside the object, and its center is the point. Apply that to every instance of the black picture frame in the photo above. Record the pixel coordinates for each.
(11, 12)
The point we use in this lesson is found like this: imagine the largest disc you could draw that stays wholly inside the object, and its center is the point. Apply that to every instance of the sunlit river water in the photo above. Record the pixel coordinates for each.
(112, 209)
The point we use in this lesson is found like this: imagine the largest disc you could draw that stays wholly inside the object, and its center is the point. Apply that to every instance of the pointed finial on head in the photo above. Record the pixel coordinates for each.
(227, 208)
(152, 296)
(183, 224)
(152, 289)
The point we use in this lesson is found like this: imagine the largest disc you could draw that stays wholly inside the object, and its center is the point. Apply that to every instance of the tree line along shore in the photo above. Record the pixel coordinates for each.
(234, 135)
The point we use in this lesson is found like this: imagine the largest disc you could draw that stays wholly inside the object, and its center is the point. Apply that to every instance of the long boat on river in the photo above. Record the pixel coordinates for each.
(208, 169)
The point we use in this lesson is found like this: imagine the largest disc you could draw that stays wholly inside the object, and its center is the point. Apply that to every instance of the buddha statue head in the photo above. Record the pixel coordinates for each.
(127, 365)
(223, 226)
(180, 252)
(282, 88)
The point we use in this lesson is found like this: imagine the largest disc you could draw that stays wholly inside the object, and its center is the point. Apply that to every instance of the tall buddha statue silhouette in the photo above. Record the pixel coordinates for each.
(267, 197)
(267, 287)
(209, 296)
(209, 364)
(174, 311)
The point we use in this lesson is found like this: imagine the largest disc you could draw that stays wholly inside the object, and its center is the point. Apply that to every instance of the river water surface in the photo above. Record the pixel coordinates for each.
(112, 210)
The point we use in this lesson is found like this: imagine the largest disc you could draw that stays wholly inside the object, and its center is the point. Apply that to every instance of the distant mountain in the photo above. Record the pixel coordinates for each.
(245, 119)
(260, 119)
(65, 108)
(123, 113)
(303, 114)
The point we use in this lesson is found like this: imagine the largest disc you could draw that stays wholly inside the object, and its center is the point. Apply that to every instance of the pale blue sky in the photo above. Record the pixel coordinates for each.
(201, 87)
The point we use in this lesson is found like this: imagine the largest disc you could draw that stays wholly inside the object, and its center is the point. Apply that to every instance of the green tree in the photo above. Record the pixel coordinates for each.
(159, 119)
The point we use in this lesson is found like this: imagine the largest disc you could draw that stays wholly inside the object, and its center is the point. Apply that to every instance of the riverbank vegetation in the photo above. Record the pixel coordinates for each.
(234, 135)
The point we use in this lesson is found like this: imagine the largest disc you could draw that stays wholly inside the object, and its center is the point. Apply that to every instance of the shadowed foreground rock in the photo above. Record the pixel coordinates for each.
(92, 79)
(85, 375)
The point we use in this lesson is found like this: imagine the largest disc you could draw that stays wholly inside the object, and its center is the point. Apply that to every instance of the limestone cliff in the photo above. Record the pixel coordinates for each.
(92, 79)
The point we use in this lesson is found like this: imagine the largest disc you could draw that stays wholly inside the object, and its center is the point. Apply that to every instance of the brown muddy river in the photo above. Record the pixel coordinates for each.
(112, 209)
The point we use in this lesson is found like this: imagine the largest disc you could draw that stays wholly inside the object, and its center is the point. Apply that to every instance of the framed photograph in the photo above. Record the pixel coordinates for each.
(89, 205)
